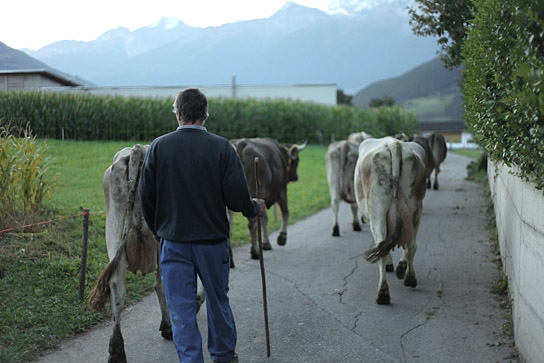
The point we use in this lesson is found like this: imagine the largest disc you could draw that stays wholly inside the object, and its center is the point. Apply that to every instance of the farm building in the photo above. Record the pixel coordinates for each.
(32, 79)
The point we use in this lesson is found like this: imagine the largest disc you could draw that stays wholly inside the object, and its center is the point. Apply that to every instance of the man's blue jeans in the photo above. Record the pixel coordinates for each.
(180, 264)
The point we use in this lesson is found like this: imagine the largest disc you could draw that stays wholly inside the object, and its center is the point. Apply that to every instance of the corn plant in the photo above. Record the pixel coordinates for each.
(23, 169)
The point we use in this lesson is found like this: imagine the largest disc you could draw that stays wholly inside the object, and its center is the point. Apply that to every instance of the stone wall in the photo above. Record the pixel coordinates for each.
(519, 209)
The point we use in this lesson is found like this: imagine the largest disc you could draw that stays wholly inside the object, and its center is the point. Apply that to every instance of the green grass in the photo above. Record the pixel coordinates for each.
(471, 153)
(39, 266)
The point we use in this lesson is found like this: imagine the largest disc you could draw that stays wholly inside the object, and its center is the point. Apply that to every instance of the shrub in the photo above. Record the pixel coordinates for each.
(503, 83)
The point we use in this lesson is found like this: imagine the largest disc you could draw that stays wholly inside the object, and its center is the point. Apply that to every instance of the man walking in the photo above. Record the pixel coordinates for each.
(188, 179)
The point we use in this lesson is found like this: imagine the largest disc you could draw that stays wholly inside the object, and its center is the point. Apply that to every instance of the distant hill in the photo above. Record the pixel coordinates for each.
(430, 89)
(351, 47)
(13, 59)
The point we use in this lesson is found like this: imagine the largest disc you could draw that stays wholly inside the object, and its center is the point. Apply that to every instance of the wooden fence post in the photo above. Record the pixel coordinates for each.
(85, 240)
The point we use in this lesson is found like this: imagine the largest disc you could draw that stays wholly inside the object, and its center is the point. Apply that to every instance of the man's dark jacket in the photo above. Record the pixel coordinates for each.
(188, 178)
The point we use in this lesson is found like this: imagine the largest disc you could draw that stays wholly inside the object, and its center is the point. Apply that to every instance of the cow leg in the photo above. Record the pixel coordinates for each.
(405, 268)
(410, 251)
(166, 325)
(354, 211)
(379, 231)
(264, 233)
(389, 266)
(282, 202)
(383, 297)
(335, 204)
(117, 286)
(436, 171)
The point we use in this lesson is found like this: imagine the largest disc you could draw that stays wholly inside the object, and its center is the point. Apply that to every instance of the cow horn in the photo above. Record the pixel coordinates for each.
(300, 147)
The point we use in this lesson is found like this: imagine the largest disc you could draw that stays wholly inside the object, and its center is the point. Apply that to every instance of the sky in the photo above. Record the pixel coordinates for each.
(34, 24)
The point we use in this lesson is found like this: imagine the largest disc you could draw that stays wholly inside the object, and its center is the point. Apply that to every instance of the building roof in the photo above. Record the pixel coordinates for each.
(47, 73)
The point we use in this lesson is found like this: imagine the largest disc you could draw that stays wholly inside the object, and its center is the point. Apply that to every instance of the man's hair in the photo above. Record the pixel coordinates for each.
(192, 105)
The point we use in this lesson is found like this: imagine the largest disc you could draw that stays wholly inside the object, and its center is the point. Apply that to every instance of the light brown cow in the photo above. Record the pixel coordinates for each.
(390, 187)
(131, 246)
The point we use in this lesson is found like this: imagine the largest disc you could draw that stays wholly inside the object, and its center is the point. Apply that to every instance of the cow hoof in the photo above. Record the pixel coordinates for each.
(335, 231)
(116, 348)
(356, 227)
(410, 281)
(435, 186)
(166, 331)
(428, 185)
(389, 267)
(401, 270)
(267, 246)
(232, 264)
(383, 298)
(254, 254)
(282, 239)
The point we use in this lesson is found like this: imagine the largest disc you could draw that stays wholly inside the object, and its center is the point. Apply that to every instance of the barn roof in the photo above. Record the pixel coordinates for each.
(47, 73)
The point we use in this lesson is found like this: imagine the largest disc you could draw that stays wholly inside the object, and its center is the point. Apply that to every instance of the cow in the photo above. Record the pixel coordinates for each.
(389, 187)
(131, 246)
(437, 144)
(428, 159)
(340, 161)
(359, 137)
(277, 167)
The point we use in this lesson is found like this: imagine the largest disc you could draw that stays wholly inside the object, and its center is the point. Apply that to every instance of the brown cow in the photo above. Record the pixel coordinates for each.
(437, 144)
(277, 167)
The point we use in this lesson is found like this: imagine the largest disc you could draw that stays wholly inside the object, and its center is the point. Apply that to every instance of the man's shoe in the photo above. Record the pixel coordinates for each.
(233, 360)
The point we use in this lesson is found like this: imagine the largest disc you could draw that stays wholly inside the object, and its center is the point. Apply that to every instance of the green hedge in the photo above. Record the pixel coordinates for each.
(503, 83)
(116, 118)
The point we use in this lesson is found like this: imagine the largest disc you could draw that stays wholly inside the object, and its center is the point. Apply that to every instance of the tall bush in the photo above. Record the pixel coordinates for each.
(503, 83)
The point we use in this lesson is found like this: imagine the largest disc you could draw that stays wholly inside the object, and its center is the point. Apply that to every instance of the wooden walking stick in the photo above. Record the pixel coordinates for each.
(261, 260)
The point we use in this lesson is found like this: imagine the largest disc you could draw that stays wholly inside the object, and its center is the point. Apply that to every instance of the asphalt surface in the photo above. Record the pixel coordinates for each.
(321, 295)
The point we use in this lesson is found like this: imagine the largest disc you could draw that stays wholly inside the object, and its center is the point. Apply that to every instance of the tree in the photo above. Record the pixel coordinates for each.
(342, 98)
(386, 101)
(446, 19)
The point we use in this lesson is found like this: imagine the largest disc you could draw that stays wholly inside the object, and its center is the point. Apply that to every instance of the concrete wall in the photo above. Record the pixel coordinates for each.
(519, 209)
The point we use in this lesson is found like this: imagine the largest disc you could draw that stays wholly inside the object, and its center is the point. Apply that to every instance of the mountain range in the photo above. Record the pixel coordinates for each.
(351, 46)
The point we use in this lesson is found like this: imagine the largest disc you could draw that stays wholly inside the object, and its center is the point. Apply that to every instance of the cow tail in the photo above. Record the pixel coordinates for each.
(100, 293)
(394, 214)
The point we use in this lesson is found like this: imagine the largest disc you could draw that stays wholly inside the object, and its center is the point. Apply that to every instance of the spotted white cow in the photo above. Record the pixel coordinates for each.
(359, 137)
(390, 184)
(131, 246)
(340, 161)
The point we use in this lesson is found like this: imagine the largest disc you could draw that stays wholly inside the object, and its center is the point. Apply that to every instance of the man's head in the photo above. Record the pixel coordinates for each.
(191, 106)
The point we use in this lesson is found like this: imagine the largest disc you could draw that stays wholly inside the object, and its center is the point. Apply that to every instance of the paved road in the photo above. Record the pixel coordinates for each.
(321, 295)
